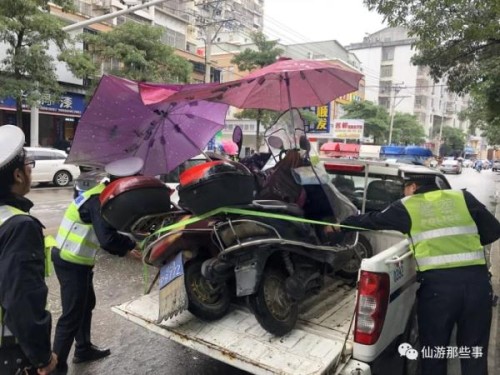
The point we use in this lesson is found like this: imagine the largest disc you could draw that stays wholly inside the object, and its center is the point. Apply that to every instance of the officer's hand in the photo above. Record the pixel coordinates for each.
(136, 254)
(50, 367)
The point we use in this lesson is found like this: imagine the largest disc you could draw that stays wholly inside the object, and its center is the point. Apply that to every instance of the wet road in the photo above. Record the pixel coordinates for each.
(136, 350)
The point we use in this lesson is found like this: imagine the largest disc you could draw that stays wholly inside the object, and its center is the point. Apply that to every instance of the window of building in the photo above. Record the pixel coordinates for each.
(386, 71)
(385, 87)
(388, 53)
(173, 38)
(384, 102)
(420, 101)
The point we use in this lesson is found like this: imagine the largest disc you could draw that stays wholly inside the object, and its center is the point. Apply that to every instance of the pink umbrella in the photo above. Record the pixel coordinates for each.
(280, 86)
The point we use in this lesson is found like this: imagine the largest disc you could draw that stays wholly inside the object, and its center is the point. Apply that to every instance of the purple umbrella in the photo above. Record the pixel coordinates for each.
(117, 124)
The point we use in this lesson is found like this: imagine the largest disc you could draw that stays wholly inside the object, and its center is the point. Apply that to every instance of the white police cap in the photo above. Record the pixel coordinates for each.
(125, 167)
(11, 143)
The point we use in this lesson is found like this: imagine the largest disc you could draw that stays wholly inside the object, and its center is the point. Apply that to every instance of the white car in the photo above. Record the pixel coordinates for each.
(50, 167)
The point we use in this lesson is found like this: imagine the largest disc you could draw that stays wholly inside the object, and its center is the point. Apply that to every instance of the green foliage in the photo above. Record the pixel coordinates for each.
(453, 139)
(138, 51)
(376, 119)
(407, 130)
(28, 29)
(249, 59)
(267, 118)
(459, 39)
(266, 53)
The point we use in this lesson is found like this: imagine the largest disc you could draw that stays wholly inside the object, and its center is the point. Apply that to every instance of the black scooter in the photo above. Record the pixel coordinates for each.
(278, 256)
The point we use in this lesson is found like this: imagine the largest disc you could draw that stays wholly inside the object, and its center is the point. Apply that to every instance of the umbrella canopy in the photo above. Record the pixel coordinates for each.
(117, 124)
(280, 86)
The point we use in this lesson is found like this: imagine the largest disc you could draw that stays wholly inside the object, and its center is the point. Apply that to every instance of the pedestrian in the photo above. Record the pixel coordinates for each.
(25, 324)
(447, 230)
(82, 232)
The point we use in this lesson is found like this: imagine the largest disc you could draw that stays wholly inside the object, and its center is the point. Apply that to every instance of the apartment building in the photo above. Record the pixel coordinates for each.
(394, 82)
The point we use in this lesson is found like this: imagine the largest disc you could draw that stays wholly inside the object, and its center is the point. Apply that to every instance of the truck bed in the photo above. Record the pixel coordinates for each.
(313, 347)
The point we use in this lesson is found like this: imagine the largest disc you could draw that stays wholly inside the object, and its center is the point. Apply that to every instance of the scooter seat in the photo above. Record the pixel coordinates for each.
(277, 206)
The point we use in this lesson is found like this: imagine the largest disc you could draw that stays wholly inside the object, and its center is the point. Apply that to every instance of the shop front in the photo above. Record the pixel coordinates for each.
(57, 120)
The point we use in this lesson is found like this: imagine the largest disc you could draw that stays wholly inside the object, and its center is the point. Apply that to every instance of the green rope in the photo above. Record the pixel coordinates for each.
(239, 211)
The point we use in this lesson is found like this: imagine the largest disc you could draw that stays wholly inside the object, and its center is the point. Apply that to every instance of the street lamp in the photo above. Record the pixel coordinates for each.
(108, 16)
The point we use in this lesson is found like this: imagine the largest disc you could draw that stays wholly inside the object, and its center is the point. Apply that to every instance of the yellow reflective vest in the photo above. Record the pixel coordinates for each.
(6, 212)
(443, 232)
(77, 240)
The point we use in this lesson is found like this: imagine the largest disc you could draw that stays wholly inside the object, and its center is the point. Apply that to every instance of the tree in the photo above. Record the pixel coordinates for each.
(137, 52)
(250, 59)
(458, 39)
(453, 140)
(376, 119)
(407, 130)
(28, 30)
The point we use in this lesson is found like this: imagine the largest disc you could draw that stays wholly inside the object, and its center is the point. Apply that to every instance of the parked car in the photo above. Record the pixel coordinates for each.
(496, 165)
(451, 166)
(50, 168)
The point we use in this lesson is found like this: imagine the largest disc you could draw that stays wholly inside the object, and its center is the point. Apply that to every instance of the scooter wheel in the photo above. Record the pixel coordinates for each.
(207, 300)
(362, 250)
(275, 311)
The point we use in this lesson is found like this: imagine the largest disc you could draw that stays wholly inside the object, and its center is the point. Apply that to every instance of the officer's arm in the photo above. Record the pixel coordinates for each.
(394, 217)
(109, 238)
(23, 293)
(488, 226)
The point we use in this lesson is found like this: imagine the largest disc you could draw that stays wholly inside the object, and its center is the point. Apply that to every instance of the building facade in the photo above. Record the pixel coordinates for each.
(394, 82)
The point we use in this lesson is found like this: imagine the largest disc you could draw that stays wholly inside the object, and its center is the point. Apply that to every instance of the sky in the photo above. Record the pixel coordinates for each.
(299, 21)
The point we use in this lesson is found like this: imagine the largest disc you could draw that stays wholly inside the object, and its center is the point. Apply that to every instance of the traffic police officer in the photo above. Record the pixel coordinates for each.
(81, 233)
(25, 324)
(447, 230)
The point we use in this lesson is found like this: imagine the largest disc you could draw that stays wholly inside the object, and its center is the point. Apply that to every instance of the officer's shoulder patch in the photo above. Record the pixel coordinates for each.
(79, 199)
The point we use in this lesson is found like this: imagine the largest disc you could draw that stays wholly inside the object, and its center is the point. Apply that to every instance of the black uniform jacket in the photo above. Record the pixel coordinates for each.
(395, 217)
(23, 292)
(109, 238)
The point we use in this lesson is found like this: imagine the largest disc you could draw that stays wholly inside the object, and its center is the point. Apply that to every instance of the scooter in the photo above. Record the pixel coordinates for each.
(278, 256)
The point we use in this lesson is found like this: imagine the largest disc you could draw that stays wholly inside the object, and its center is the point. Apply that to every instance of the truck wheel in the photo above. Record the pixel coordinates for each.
(410, 336)
(275, 311)
(364, 250)
(207, 300)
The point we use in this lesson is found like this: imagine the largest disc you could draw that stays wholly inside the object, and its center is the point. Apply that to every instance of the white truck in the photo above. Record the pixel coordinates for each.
(348, 328)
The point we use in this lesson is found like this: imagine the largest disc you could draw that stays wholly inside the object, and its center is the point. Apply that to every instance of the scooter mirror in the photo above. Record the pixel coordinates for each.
(238, 136)
(275, 142)
(304, 143)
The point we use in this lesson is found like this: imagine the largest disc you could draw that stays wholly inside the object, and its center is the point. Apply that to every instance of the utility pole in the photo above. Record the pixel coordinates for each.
(396, 89)
(212, 25)
(441, 106)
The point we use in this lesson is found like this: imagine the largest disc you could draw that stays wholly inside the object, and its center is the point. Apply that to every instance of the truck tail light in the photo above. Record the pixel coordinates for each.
(371, 306)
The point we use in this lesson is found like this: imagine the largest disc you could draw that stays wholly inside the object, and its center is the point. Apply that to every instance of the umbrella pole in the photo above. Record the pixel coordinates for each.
(287, 83)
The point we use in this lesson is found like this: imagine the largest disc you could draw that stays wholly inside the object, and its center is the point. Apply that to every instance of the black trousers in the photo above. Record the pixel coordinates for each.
(78, 300)
(445, 301)
(14, 362)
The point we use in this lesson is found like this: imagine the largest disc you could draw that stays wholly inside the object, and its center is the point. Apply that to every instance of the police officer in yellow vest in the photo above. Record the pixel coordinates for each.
(25, 324)
(82, 232)
(448, 230)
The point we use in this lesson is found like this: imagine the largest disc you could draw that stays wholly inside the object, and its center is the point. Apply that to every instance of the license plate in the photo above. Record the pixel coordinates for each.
(173, 295)
(171, 271)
